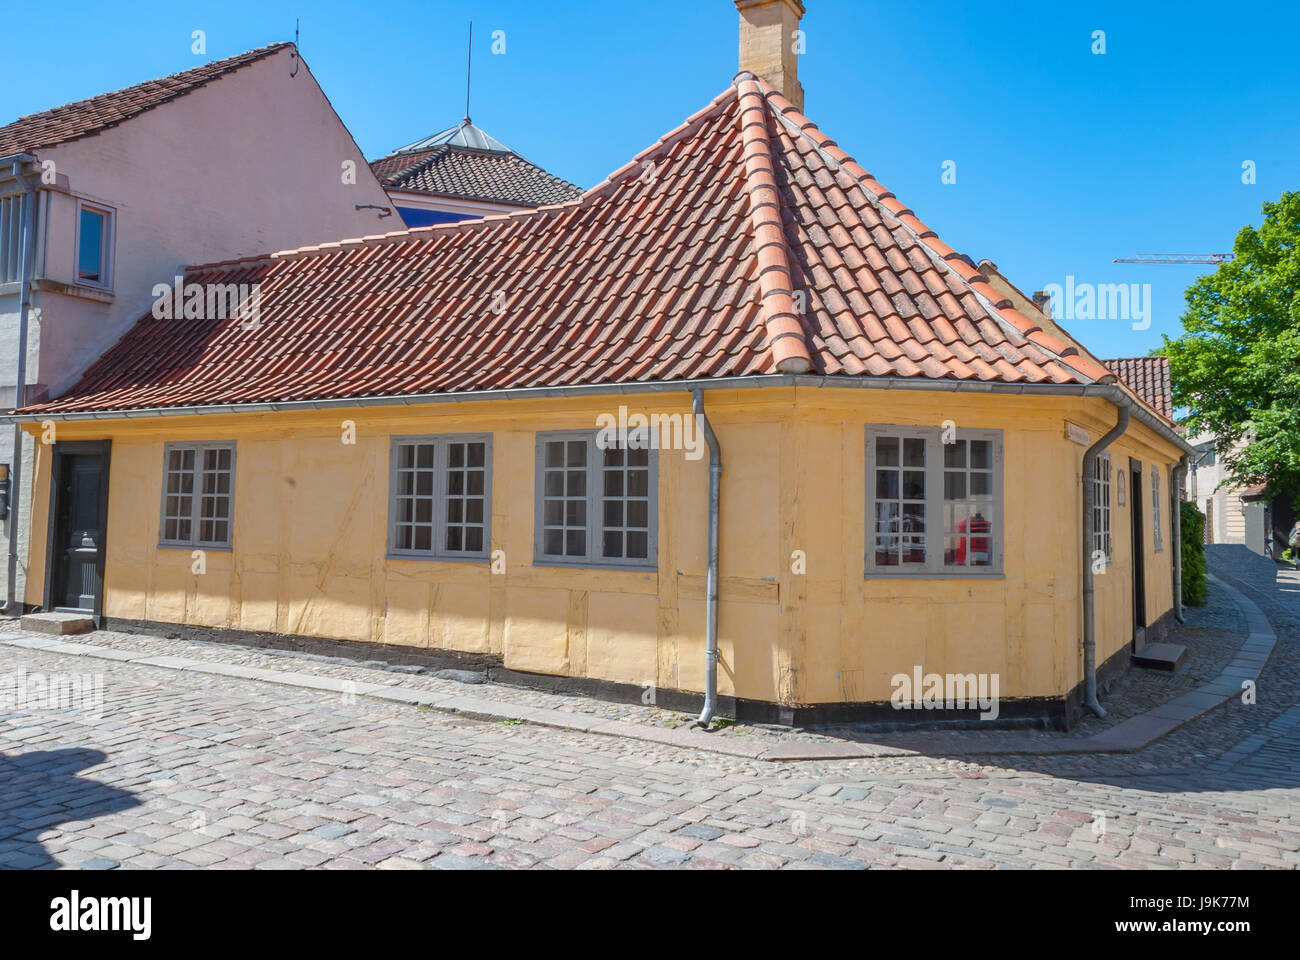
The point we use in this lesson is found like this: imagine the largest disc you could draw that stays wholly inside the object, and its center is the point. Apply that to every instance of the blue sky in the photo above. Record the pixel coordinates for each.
(1064, 158)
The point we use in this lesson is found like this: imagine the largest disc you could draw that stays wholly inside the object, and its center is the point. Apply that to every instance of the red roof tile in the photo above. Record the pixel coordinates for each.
(1148, 377)
(754, 246)
(83, 118)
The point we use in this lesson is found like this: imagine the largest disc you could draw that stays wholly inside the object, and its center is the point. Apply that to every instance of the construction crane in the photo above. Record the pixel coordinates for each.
(1176, 258)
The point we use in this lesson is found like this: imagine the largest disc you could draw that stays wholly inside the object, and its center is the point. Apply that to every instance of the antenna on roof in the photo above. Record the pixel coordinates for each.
(469, 65)
(296, 58)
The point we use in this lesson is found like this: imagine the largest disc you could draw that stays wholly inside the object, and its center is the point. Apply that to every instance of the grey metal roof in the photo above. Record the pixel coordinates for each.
(464, 134)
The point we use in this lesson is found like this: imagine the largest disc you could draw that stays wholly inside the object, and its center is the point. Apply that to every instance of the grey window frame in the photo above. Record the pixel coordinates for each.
(437, 552)
(934, 567)
(595, 508)
(1102, 533)
(1158, 539)
(196, 496)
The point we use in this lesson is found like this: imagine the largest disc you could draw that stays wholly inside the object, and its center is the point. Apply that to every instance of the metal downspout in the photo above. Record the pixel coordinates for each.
(1176, 528)
(1089, 588)
(20, 376)
(711, 589)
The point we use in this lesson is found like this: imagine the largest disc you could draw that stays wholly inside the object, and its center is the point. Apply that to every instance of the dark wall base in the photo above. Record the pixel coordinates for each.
(1041, 713)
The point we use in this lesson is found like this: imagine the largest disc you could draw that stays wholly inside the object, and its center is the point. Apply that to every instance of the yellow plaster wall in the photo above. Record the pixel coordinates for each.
(310, 534)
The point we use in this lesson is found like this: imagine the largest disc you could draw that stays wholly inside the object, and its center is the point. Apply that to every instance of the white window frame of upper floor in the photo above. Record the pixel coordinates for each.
(934, 499)
(107, 245)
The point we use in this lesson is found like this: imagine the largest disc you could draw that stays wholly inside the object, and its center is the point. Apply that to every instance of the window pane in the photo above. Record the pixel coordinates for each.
(474, 539)
(913, 452)
(575, 543)
(887, 451)
(954, 454)
(913, 484)
(613, 544)
(638, 545)
(981, 454)
(954, 485)
(887, 484)
(90, 254)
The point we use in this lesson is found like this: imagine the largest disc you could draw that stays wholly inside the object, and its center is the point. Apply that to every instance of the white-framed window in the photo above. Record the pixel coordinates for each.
(198, 494)
(1101, 506)
(13, 219)
(1156, 537)
(595, 506)
(94, 245)
(933, 508)
(440, 497)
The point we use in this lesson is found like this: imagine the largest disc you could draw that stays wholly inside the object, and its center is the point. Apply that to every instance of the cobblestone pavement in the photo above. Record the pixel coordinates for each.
(182, 770)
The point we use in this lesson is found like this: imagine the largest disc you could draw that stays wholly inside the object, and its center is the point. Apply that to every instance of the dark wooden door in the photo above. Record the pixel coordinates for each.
(1139, 559)
(79, 532)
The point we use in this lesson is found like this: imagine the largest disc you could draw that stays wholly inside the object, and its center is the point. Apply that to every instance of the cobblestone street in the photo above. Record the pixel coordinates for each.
(185, 770)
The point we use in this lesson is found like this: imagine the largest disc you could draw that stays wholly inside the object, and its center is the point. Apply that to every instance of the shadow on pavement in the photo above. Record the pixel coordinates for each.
(41, 790)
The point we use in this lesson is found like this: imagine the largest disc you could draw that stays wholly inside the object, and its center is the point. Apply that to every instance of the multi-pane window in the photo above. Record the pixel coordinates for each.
(1157, 539)
(198, 494)
(1101, 506)
(968, 503)
(440, 489)
(93, 243)
(933, 501)
(594, 505)
(13, 220)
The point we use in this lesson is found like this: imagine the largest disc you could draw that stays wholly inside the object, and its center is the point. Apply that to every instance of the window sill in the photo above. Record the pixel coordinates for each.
(483, 560)
(79, 290)
(594, 565)
(206, 548)
(909, 575)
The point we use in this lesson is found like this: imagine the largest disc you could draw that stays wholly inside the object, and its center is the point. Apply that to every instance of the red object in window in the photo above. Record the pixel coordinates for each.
(981, 547)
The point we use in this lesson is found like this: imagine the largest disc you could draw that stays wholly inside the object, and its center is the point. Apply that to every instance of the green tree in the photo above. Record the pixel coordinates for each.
(1236, 365)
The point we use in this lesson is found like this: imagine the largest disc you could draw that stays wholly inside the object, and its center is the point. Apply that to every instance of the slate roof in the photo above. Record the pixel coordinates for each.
(472, 174)
(1148, 377)
(84, 118)
(681, 265)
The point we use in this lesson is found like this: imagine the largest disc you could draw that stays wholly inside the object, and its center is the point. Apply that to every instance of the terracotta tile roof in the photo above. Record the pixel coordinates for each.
(73, 121)
(744, 242)
(1148, 377)
(466, 173)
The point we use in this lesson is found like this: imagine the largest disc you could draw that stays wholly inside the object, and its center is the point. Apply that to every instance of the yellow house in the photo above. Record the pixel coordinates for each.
(734, 425)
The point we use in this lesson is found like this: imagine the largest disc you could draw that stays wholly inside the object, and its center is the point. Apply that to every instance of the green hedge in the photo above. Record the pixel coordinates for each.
(1195, 590)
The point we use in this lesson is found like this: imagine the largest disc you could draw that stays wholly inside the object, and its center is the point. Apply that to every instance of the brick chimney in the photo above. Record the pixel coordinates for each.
(768, 46)
(1043, 301)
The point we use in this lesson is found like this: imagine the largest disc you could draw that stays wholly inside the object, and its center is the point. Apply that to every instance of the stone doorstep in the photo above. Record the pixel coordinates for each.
(1161, 656)
(58, 623)
(1133, 734)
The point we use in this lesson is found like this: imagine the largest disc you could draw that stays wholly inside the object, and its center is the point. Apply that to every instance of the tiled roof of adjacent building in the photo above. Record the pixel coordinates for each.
(468, 163)
(753, 244)
(1148, 377)
(73, 121)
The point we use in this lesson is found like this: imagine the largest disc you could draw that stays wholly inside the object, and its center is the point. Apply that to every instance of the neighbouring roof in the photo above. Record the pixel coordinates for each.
(681, 265)
(1148, 377)
(72, 121)
(467, 163)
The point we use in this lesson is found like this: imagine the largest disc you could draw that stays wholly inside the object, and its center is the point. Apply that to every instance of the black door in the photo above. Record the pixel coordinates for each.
(1139, 559)
(78, 515)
